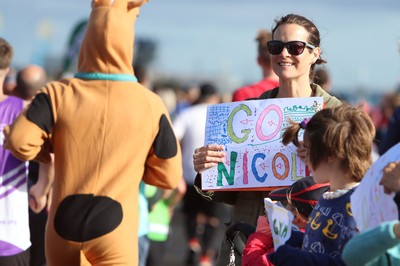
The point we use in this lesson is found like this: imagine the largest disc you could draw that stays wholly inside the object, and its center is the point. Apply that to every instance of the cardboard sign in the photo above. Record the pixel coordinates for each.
(280, 221)
(369, 204)
(251, 132)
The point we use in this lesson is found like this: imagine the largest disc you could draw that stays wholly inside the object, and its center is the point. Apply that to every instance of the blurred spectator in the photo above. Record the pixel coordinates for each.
(270, 79)
(14, 221)
(144, 243)
(161, 208)
(10, 81)
(322, 78)
(186, 97)
(29, 80)
(392, 136)
(201, 215)
(382, 114)
(168, 95)
(161, 202)
(142, 75)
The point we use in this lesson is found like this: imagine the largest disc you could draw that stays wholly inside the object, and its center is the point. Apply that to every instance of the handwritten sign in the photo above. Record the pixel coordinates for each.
(369, 204)
(251, 132)
(280, 221)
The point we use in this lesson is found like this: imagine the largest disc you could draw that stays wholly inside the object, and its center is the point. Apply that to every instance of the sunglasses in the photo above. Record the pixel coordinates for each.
(293, 47)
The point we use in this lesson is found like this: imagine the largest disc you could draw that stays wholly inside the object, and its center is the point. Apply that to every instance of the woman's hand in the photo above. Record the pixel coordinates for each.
(208, 156)
(391, 177)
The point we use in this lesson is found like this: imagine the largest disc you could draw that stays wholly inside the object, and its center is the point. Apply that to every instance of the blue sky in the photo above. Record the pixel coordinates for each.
(216, 37)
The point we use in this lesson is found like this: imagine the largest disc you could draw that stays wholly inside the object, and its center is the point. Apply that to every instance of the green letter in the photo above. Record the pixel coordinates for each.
(222, 170)
(230, 124)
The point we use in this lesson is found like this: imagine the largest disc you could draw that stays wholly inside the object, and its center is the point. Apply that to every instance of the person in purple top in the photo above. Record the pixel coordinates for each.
(14, 220)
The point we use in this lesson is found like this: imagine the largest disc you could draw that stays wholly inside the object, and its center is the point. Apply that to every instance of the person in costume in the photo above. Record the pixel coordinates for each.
(107, 133)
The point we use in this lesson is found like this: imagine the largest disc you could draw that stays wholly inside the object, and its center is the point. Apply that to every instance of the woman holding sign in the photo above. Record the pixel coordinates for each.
(295, 50)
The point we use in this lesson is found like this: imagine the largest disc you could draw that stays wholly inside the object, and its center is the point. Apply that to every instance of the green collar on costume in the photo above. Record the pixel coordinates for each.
(103, 76)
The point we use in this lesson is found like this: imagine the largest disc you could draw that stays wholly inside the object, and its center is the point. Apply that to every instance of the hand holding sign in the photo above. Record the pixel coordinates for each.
(391, 177)
(280, 221)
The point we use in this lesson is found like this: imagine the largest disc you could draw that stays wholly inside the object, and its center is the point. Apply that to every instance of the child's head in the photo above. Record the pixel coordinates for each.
(300, 198)
(344, 133)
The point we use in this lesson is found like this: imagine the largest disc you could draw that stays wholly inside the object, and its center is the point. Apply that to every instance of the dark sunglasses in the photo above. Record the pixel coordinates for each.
(293, 47)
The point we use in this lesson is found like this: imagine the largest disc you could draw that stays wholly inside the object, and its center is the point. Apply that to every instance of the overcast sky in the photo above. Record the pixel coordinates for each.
(216, 37)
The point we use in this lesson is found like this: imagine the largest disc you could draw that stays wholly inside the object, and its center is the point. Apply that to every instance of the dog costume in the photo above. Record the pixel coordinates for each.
(107, 133)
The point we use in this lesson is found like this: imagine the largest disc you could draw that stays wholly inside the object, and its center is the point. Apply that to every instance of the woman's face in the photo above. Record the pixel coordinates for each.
(292, 67)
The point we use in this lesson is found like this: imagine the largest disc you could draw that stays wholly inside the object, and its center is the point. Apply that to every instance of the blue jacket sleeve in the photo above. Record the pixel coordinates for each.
(296, 239)
(376, 241)
(287, 255)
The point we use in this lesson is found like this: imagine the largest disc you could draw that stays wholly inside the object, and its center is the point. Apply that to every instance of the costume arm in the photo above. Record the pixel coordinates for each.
(26, 136)
(376, 241)
(22, 145)
(164, 163)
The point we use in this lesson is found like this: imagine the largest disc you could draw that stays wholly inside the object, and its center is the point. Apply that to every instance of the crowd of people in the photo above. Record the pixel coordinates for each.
(95, 167)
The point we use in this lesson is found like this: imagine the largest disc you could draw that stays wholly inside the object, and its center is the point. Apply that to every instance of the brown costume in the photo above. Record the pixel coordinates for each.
(107, 132)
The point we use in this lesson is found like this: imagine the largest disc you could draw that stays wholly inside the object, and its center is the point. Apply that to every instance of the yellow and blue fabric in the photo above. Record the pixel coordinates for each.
(330, 226)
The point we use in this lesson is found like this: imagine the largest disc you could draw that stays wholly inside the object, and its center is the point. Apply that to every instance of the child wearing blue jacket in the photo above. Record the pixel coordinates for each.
(339, 144)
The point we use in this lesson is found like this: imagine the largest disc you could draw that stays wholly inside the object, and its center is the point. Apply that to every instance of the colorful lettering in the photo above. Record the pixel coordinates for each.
(254, 168)
(245, 171)
(281, 230)
(231, 132)
(295, 177)
(285, 165)
(222, 170)
(260, 122)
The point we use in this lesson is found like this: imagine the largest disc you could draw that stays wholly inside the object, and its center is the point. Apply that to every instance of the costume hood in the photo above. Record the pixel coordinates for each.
(108, 44)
